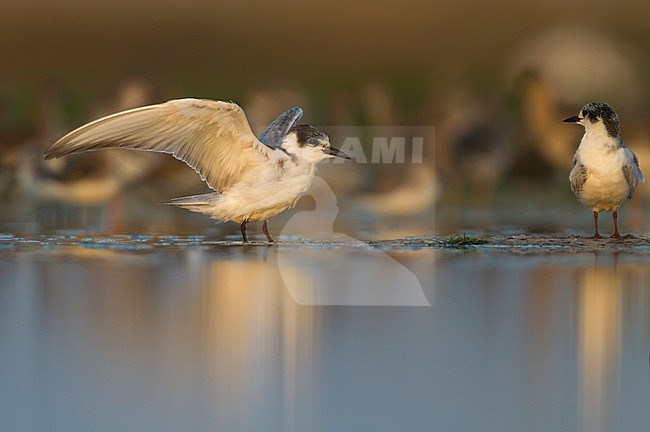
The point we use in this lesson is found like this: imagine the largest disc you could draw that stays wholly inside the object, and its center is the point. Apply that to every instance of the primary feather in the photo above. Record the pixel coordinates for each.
(212, 137)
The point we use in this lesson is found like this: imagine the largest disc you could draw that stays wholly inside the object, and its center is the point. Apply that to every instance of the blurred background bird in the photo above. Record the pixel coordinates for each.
(72, 191)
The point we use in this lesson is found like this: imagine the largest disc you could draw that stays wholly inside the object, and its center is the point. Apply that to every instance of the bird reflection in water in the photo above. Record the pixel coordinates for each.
(599, 332)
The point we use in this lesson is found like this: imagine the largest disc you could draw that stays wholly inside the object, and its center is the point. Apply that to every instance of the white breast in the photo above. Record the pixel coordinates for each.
(264, 192)
(606, 188)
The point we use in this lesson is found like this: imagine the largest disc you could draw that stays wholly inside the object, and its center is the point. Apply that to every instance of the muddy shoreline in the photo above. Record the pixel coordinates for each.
(528, 243)
(520, 243)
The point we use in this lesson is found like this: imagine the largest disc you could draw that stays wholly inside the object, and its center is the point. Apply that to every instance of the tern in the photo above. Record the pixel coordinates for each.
(253, 178)
(605, 171)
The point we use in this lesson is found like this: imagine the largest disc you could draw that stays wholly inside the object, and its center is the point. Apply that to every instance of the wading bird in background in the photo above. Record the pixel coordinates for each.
(253, 179)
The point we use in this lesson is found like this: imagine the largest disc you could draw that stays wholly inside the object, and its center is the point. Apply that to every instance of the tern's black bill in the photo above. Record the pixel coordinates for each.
(574, 119)
(336, 152)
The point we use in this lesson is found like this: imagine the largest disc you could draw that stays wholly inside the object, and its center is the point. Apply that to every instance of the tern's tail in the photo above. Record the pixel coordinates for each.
(196, 203)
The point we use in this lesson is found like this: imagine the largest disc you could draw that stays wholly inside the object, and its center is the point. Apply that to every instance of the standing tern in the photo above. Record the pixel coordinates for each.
(253, 178)
(605, 171)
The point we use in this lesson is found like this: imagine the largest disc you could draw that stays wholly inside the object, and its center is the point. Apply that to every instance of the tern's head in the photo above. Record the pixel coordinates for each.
(598, 115)
(310, 144)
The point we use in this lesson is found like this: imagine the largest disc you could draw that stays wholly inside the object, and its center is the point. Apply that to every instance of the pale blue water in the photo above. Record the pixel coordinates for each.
(184, 333)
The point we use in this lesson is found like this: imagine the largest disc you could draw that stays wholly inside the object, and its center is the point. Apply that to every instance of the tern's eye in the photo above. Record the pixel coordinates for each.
(312, 141)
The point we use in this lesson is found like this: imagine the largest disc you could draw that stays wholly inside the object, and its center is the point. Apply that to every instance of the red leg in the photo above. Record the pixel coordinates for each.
(596, 235)
(243, 231)
(265, 229)
(615, 216)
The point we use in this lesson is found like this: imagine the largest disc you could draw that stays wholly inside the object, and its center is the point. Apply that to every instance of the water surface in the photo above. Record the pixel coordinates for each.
(186, 333)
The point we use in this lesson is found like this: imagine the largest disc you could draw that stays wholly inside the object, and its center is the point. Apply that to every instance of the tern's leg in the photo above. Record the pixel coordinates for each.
(265, 229)
(596, 235)
(615, 216)
(243, 231)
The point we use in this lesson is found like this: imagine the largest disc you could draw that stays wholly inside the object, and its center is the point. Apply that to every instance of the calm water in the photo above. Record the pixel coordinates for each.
(147, 333)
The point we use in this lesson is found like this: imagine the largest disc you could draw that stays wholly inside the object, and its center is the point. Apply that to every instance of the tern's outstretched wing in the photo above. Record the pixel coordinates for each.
(274, 134)
(213, 137)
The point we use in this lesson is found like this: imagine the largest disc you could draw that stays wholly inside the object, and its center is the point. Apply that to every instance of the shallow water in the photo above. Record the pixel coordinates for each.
(143, 332)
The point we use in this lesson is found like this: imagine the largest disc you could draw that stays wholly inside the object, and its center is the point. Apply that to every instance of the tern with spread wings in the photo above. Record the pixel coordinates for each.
(253, 178)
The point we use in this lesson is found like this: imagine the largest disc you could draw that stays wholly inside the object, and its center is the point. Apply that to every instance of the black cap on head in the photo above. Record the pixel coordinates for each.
(595, 111)
(305, 133)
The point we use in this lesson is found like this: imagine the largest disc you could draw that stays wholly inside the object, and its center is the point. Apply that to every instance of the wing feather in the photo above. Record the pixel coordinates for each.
(275, 133)
(631, 170)
(578, 177)
(212, 137)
